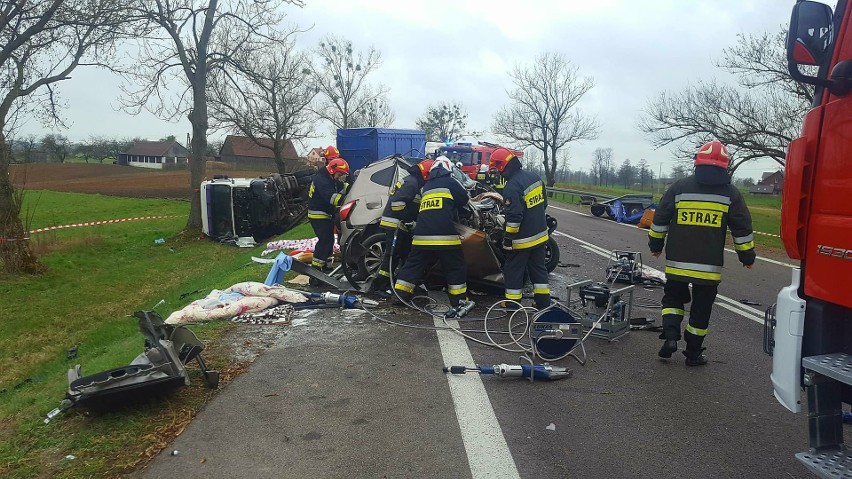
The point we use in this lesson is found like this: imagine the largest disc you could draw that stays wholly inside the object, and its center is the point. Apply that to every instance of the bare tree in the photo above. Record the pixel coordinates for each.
(341, 76)
(43, 42)
(645, 174)
(57, 147)
(198, 37)
(757, 118)
(265, 97)
(627, 173)
(374, 113)
(543, 112)
(443, 122)
(601, 162)
(25, 148)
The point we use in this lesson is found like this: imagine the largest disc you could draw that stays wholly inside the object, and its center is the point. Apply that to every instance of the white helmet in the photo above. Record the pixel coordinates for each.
(442, 162)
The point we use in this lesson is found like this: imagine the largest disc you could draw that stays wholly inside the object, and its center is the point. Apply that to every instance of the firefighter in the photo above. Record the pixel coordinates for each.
(325, 196)
(694, 215)
(329, 153)
(526, 235)
(435, 235)
(402, 207)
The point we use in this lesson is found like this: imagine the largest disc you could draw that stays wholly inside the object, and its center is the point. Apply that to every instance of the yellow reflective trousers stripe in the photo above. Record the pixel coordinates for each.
(696, 331)
(694, 274)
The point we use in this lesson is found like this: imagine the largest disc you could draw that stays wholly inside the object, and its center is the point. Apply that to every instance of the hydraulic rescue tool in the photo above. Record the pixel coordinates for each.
(529, 371)
(461, 310)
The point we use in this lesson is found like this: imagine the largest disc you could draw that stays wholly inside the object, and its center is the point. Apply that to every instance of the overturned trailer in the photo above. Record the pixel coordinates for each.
(243, 211)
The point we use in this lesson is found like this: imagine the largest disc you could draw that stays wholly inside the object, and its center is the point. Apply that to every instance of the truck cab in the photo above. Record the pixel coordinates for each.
(809, 331)
(472, 156)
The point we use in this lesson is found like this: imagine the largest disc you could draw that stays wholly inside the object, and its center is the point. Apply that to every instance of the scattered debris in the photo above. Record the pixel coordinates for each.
(567, 265)
(70, 457)
(750, 302)
(71, 353)
(174, 453)
(551, 427)
(301, 280)
(159, 241)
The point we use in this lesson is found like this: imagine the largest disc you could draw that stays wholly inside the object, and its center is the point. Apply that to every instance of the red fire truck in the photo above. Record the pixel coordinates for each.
(473, 156)
(809, 330)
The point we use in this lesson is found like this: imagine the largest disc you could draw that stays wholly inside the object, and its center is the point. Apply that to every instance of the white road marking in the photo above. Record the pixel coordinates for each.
(487, 452)
(566, 209)
(730, 304)
(780, 263)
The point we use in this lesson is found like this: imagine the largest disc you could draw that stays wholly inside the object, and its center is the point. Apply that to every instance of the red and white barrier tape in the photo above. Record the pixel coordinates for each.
(103, 222)
(766, 234)
(92, 223)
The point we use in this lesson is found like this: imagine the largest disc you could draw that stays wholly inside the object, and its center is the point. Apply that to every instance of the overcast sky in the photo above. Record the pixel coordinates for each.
(459, 51)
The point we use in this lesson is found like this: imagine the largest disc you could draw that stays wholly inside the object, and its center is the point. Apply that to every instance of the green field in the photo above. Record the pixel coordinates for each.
(97, 276)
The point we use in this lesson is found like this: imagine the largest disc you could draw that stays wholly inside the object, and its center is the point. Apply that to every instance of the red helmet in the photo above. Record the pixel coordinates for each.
(337, 165)
(424, 167)
(330, 152)
(713, 153)
(500, 158)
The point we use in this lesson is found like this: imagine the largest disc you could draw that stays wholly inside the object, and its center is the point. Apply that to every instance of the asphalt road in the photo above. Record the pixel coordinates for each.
(343, 395)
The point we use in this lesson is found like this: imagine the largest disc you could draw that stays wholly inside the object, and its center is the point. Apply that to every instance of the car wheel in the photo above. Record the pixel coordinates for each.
(551, 255)
(598, 209)
(363, 258)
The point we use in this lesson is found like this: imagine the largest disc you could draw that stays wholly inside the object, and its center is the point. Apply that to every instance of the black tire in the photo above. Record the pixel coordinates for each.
(365, 256)
(349, 260)
(551, 255)
(598, 209)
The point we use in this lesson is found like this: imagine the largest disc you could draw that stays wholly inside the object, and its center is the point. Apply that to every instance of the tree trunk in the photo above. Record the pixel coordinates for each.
(16, 256)
(198, 162)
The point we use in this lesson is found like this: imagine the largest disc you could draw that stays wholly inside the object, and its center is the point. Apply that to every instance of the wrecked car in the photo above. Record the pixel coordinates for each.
(363, 242)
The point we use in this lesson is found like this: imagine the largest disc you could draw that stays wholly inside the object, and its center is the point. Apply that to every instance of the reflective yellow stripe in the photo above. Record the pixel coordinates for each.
(702, 205)
(744, 246)
(397, 208)
(335, 199)
(534, 197)
(530, 244)
(693, 274)
(436, 195)
(698, 332)
(458, 290)
(384, 273)
(317, 263)
(512, 229)
(318, 217)
(541, 290)
(388, 224)
(402, 287)
(676, 311)
(435, 242)
(514, 296)
(654, 234)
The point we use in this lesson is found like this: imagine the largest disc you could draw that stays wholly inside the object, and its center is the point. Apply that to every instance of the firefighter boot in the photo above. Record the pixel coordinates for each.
(670, 335)
(694, 351)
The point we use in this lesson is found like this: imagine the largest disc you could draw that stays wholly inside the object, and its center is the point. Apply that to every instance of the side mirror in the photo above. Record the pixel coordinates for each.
(810, 39)
(810, 35)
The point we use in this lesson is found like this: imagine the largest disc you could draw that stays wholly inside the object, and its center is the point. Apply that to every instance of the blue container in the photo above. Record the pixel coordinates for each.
(362, 146)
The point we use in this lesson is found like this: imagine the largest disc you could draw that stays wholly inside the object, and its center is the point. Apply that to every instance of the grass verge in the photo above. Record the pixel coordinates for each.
(96, 277)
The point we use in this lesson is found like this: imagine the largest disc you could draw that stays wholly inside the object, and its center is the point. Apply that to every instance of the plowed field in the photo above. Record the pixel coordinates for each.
(116, 180)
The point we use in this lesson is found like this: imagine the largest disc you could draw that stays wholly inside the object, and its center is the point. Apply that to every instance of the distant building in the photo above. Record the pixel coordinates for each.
(771, 183)
(156, 155)
(314, 157)
(242, 152)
